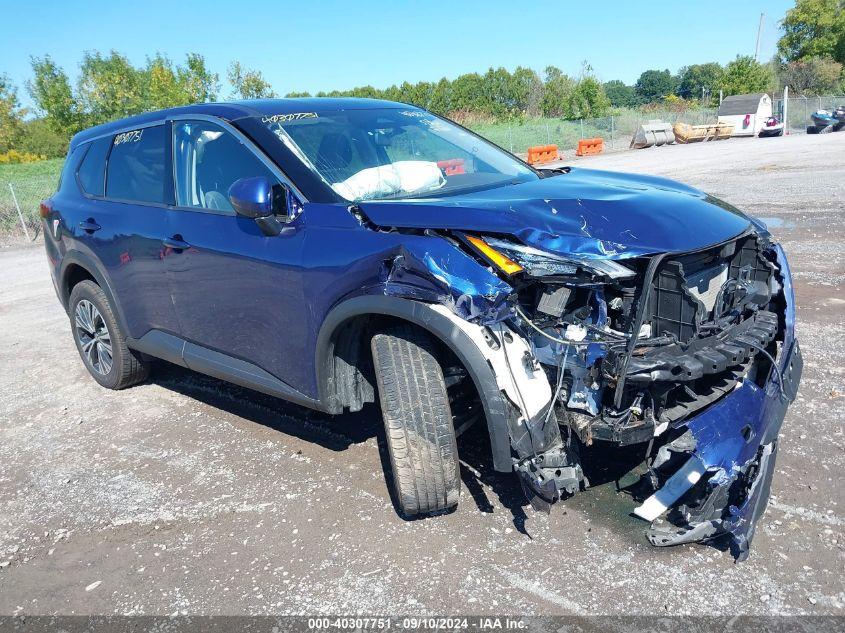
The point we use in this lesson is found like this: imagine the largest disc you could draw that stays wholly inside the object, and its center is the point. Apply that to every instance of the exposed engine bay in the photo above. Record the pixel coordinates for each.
(645, 355)
(639, 314)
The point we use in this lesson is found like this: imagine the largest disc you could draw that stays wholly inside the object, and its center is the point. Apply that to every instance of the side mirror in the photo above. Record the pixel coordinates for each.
(256, 198)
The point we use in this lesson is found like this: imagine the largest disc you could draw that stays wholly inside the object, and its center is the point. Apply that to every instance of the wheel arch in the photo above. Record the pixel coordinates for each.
(443, 330)
(78, 266)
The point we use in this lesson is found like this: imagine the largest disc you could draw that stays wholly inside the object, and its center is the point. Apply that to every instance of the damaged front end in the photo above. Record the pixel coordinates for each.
(690, 356)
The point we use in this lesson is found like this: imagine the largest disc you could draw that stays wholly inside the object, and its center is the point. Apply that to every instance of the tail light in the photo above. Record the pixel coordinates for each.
(46, 208)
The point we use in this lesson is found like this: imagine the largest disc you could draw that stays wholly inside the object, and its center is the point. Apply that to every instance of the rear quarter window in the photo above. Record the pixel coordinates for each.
(136, 167)
(92, 171)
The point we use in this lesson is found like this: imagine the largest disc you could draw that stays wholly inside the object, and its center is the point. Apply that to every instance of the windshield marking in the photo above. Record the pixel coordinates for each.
(284, 118)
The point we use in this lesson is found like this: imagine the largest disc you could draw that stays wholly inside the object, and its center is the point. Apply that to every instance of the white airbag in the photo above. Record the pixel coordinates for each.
(406, 176)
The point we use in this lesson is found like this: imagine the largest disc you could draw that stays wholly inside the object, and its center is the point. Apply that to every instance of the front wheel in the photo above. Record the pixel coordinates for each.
(99, 340)
(417, 421)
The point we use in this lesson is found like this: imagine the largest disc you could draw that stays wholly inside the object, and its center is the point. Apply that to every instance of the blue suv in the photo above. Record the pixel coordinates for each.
(336, 252)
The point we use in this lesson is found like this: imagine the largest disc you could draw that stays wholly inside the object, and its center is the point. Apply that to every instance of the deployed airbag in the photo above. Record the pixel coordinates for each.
(404, 176)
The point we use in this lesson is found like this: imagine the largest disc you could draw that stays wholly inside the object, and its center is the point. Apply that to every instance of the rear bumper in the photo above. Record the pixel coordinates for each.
(722, 488)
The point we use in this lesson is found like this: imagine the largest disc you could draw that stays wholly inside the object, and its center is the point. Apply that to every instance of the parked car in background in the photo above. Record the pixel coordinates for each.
(337, 252)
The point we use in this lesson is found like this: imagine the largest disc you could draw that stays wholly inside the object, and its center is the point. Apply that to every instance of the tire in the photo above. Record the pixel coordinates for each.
(89, 312)
(417, 422)
(812, 129)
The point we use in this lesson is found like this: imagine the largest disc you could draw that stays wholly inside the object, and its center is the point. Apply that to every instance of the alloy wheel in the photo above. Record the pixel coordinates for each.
(94, 337)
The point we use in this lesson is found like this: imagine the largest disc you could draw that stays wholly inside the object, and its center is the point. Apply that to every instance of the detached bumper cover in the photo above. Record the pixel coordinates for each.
(723, 486)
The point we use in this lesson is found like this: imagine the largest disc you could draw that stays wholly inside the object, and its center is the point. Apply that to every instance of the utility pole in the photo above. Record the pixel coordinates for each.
(759, 34)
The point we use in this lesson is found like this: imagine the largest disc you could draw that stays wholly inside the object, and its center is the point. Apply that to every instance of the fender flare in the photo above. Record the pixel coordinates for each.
(442, 329)
(87, 262)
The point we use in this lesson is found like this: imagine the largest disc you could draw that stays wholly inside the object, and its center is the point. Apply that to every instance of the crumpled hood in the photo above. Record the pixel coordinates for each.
(587, 212)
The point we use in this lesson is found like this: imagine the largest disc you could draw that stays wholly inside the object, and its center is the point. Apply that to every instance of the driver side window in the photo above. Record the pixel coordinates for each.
(207, 161)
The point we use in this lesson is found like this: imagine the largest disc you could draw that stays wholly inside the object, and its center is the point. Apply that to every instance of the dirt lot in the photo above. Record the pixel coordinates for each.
(187, 495)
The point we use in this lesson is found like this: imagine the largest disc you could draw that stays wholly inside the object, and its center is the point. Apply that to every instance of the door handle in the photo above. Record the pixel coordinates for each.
(89, 226)
(176, 243)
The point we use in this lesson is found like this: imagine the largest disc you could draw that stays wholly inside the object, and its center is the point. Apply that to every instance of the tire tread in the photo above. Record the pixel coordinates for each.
(418, 421)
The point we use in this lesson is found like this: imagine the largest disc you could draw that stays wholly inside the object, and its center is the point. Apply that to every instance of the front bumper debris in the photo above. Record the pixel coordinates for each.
(713, 469)
(722, 487)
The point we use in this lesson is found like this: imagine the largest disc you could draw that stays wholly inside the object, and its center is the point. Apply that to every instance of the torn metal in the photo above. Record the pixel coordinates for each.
(689, 352)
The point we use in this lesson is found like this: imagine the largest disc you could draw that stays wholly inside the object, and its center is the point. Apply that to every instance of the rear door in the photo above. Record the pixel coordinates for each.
(236, 290)
(125, 179)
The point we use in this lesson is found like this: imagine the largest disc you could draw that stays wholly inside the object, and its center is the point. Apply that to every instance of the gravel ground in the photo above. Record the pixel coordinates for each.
(188, 495)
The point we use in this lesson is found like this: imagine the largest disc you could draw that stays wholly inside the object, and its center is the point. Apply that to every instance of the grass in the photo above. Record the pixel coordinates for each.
(32, 183)
(42, 170)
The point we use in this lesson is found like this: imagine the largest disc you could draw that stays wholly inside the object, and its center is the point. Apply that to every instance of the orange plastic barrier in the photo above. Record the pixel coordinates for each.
(590, 146)
(452, 166)
(542, 154)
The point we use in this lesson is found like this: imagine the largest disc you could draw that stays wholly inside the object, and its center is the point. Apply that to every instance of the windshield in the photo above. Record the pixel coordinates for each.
(394, 153)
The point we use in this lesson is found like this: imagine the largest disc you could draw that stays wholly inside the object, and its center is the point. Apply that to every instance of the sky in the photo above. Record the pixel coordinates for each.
(325, 45)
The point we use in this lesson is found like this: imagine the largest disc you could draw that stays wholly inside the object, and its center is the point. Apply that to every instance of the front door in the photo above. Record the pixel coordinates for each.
(236, 290)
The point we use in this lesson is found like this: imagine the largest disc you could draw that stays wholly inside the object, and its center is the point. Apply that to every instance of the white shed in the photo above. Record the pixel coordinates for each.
(747, 113)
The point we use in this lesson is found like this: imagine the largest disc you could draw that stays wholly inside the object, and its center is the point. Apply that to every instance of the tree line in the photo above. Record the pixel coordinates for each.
(810, 59)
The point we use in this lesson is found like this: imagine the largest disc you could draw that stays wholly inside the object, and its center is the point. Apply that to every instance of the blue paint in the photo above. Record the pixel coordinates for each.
(587, 213)
(730, 434)
(252, 197)
(264, 298)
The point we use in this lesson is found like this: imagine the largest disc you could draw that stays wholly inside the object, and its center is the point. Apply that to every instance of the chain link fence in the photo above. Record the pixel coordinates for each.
(799, 109)
(22, 188)
(616, 130)
(20, 203)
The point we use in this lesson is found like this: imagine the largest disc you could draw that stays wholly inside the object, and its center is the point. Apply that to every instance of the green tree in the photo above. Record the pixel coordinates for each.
(160, 87)
(249, 84)
(527, 91)
(466, 93)
(621, 95)
(39, 137)
(812, 75)
(295, 95)
(11, 115)
(502, 95)
(364, 92)
(588, 99)
(745, 75)
(654, 85)
(51, 91)
(699, 81)
(557, 97)
(199, 84)
(814, 28)
(441, 97)
(109, 87)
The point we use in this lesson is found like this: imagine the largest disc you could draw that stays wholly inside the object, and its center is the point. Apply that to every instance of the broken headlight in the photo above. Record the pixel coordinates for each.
(511, 258)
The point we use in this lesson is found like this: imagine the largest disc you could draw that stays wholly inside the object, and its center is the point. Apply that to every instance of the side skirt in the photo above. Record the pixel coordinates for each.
(212, 363)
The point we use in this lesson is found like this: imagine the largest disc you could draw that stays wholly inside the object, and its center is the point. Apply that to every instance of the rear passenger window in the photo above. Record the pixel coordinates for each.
(136, 166)
(92, 171)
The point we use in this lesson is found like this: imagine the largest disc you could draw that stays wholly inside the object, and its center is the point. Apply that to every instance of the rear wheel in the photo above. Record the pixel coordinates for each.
(417, 421)
(101, 344)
